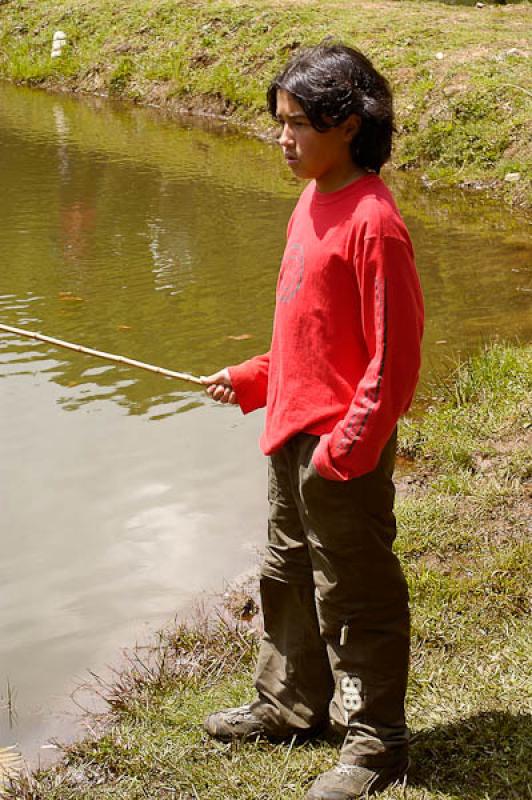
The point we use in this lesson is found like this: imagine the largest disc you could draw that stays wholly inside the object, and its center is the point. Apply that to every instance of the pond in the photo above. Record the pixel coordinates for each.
(125, 495)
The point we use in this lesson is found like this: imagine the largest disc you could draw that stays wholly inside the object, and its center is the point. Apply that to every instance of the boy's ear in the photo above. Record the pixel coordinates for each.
(351, 126)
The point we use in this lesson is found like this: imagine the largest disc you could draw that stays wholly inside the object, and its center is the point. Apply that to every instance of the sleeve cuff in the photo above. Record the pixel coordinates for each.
(324, 466)
(244, 382)
(322, 462)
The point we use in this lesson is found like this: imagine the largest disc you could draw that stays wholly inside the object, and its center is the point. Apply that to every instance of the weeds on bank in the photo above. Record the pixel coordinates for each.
(484, 412)
(460, 74)
(463, 525)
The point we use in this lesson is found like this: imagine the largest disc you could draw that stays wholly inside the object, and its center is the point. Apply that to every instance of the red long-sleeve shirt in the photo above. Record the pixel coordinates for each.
(345, 353)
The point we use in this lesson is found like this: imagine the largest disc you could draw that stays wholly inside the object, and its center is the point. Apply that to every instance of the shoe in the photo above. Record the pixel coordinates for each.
(353, 781)
(243, 723)
(234, 723)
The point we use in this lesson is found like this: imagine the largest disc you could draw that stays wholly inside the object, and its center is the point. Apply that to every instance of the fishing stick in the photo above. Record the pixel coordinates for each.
(88, 351)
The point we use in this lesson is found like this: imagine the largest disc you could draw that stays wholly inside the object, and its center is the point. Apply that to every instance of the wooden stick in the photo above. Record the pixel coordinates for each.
(88, 351)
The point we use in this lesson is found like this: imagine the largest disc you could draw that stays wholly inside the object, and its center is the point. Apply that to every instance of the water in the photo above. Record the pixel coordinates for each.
(124, 495)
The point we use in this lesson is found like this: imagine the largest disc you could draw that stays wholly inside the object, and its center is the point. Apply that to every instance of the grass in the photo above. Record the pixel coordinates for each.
(10, 764)
(460, 73)
(481, 403)
(463, 517)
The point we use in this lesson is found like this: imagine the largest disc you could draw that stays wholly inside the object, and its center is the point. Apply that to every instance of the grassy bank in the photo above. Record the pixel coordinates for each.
(460, 73)
(464, 514)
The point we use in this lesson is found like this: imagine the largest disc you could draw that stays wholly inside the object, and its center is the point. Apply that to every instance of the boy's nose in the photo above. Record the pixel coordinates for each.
(286, 136)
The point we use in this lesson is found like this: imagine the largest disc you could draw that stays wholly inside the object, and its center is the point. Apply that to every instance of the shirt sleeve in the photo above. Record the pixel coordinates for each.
(392, 322)
(250, 382)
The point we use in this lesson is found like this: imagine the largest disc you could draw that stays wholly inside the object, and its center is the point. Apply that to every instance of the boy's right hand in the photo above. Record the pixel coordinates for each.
(219, 386)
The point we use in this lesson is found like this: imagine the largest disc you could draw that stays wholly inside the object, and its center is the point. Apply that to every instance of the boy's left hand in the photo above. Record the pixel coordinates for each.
(219, 386)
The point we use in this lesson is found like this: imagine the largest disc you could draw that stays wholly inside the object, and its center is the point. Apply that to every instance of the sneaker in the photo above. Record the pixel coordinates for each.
(353, 781)
(234, 723)
(243, 723)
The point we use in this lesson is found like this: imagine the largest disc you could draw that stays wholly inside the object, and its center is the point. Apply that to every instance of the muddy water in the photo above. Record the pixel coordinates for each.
(124, 495)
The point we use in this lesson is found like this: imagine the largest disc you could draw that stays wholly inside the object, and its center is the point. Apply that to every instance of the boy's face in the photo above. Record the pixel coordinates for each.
(310, 154)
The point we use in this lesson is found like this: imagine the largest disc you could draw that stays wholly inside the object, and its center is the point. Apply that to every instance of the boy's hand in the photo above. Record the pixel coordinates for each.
(219, 386)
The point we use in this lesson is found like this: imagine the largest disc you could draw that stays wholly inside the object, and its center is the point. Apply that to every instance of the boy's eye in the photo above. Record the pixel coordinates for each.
(291, 121)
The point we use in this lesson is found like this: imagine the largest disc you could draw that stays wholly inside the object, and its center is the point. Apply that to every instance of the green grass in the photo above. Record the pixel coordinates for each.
(485, 401)
(463, 527)
(461, 75)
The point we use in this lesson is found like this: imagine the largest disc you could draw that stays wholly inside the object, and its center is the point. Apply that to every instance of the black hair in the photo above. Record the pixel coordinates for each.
(332, 81)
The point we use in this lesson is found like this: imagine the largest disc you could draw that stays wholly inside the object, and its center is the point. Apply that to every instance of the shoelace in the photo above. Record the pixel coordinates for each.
(244, 712)
(351, 769)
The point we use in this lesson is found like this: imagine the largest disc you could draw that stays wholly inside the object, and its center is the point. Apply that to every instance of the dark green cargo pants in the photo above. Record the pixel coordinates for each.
(335, 606)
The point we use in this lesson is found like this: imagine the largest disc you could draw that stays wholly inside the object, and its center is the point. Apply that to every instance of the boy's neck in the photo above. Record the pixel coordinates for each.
(341, 179)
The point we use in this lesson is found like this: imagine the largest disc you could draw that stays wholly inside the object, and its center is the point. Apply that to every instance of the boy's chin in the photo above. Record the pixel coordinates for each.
(299, 171)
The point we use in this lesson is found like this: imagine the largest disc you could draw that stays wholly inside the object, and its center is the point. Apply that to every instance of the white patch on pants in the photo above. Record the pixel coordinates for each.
(351, 690)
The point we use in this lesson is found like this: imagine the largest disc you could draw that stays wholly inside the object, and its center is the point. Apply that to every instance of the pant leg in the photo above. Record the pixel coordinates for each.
(362, 602)
(293, 677)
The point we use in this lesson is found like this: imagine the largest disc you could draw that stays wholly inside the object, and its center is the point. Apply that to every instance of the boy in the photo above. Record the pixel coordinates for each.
(342, 369)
